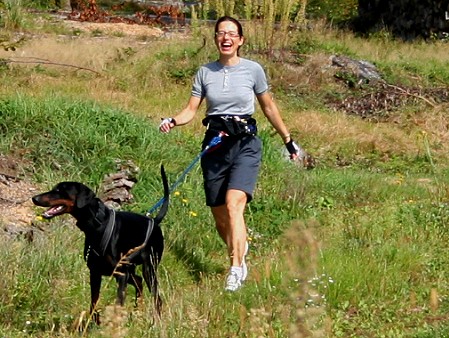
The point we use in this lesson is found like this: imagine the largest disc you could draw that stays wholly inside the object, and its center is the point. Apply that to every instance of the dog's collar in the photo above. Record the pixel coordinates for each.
(101, 213)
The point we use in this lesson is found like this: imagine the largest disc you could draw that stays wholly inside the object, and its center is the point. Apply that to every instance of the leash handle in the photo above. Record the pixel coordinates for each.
(213, 143)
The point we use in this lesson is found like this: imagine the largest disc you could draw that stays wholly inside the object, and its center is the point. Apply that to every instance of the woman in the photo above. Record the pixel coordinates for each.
(230, 169)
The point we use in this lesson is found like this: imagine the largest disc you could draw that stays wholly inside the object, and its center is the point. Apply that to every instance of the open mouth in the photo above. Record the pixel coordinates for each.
(226, 46)
(54, 211)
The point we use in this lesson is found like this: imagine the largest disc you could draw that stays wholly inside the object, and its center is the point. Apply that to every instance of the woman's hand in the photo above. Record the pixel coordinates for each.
(294, 150)
(167, 124)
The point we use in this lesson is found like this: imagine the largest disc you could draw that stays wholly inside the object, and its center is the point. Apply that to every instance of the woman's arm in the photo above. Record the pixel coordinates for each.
(271, 111)
(185, 116)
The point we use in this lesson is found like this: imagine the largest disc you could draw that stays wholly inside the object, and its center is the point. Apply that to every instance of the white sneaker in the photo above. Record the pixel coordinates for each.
(234, 279)
(244, 267)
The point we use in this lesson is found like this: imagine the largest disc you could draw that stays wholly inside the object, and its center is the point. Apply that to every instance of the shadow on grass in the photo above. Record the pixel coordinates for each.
(195, 260)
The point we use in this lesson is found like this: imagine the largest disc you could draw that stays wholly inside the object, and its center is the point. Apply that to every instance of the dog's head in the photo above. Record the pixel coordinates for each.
(64, 198)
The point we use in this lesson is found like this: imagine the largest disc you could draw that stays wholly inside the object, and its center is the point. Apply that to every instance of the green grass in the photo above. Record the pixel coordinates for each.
(367, 221)
(352, 248)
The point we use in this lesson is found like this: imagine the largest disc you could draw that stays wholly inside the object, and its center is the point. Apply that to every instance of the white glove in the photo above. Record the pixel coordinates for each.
(167, 124)
(295, 150)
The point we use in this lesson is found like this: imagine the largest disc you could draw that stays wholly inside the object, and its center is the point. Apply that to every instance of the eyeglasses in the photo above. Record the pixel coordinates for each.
(231, 34)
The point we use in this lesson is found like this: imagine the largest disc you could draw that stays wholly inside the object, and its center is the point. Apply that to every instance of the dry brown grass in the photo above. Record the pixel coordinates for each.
(86, 51)
(330, 129)
(86, 67)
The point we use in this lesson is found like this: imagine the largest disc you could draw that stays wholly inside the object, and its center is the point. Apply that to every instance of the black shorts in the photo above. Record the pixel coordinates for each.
(233, 164)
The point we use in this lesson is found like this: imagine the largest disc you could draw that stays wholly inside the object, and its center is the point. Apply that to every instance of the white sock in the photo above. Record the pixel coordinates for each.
(238, 270)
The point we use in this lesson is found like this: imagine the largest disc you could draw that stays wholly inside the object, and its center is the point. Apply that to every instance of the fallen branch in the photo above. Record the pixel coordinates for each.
(6, 61)
(411, 94)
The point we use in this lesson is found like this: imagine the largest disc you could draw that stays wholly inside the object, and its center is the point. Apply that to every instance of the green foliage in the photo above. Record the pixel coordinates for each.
(44, 4)
(13, 17)
(181, 65)
(333, 11)
(22, 307)
(73, 136)
(431, 72)
(307, 44)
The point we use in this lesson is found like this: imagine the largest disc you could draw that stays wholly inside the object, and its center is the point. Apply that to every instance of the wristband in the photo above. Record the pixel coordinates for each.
(167, 120)
(286, 136)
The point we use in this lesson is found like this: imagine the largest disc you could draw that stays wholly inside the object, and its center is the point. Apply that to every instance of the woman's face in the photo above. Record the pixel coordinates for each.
(227, 38)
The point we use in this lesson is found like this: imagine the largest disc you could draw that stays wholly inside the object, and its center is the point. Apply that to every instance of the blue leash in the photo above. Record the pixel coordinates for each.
(214, 142)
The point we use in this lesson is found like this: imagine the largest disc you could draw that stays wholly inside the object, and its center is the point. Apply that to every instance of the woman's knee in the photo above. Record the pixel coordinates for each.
(235, 199)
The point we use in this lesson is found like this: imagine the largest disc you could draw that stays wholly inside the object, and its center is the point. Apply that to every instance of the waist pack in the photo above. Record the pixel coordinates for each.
(231, 125)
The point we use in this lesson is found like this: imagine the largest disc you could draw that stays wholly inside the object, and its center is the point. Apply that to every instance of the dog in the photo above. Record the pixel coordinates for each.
(115, 241)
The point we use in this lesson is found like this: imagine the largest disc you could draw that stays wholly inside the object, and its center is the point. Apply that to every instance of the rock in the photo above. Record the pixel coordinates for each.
(116, 187)
(357, 72)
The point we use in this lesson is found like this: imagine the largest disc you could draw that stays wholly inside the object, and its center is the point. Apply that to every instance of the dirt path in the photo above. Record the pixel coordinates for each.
(16, 208)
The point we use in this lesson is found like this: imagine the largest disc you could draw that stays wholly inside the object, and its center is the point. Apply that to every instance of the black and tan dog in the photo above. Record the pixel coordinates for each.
(115, 242)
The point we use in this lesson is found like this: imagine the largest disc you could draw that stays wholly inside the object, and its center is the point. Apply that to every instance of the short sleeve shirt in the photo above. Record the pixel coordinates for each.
(230, 90)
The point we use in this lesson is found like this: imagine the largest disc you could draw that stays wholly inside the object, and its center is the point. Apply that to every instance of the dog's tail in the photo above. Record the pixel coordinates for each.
(164, 208)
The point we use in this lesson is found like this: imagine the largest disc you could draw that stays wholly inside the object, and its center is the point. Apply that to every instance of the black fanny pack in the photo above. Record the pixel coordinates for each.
(231, 125)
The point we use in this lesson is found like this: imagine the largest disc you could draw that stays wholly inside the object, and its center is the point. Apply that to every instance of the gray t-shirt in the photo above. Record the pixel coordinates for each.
(230, 89)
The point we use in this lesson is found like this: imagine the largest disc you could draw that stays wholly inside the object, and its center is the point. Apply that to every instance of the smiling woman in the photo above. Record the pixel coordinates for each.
(230, 86)
(229, 38)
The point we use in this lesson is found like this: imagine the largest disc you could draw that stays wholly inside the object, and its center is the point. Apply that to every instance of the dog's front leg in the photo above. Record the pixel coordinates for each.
(95, 285)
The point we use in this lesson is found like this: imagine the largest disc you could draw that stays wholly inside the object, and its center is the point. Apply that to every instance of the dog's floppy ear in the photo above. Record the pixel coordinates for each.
(85, 196)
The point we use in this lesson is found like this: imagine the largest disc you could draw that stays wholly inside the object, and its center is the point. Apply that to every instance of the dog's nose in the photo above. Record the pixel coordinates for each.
(35, 199)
